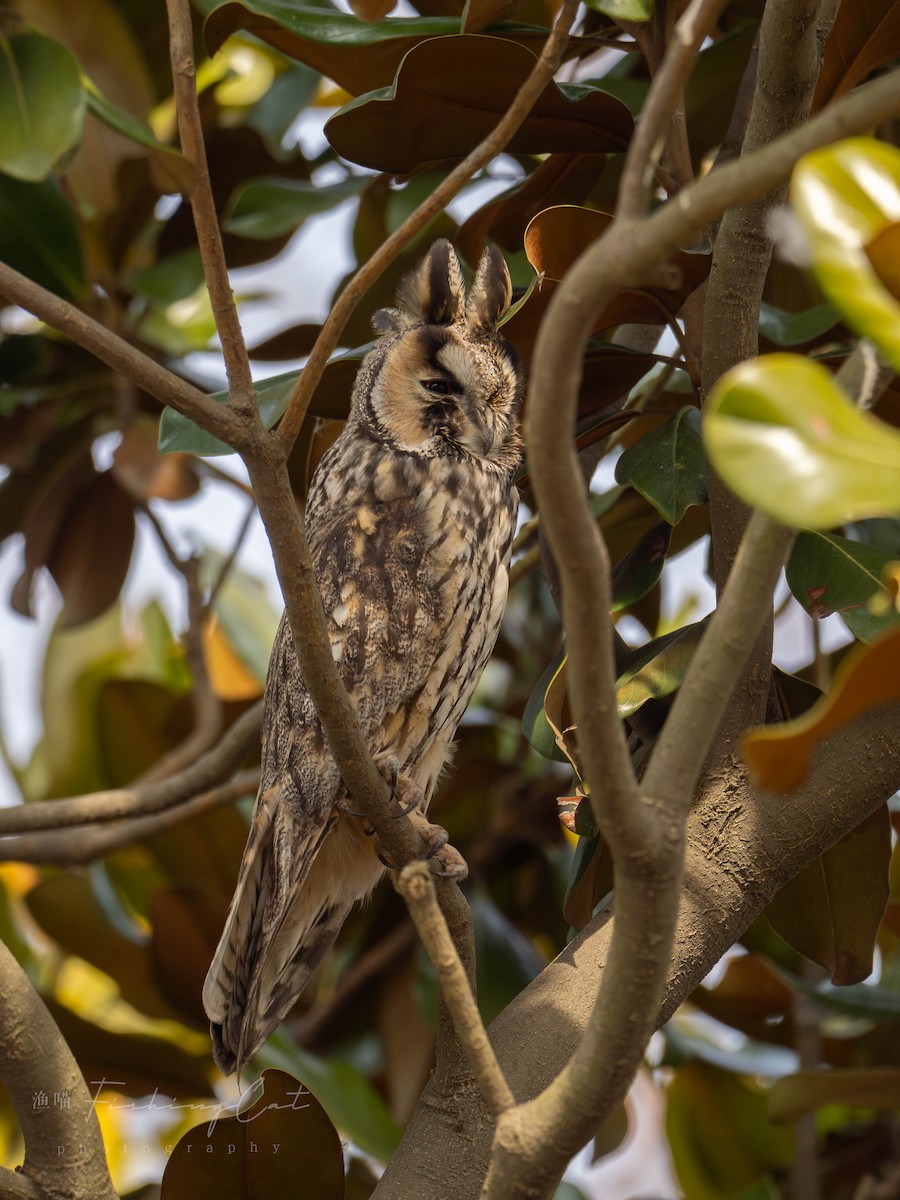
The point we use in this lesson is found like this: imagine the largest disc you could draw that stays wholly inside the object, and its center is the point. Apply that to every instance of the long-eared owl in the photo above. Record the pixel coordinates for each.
(410, 521)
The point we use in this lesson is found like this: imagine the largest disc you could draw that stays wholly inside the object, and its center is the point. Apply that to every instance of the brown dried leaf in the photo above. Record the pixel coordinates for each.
(92, 552)
(372, 10)
(863, 38)
(145, 473)
(448, 95)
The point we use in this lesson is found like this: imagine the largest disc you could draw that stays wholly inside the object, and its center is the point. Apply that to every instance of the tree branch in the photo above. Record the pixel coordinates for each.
(651, 132)
(82, 844)
(417, 889)
(64, 1155)
(206, 704)
(241, 395)
(742, 848)
(792, 36)
(495, 142)
(84, 331)
(207, 772)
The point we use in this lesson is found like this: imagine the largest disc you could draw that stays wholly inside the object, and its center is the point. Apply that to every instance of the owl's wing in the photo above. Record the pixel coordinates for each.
(271, 940)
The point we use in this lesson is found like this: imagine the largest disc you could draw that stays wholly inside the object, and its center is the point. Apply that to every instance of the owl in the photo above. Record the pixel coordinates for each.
(410, 520)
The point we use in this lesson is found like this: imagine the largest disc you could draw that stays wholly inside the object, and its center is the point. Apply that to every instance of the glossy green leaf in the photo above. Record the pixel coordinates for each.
(265, 208)
(640, 570)
(829, 574)
(275, 112)
(657, 668)
(847, 196)
(534, 720)
(260, 1153)
(750, 1057)
(666, 466)
(786, 439)
(39, 237)
(860, 1000)
(449, 94)
(331, 399)
(344, 1093)
(795, 328)
(883, 532)
(41, 105)
(174, 172)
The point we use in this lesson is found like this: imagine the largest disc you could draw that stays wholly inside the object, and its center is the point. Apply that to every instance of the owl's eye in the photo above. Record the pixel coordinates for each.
(437, 387)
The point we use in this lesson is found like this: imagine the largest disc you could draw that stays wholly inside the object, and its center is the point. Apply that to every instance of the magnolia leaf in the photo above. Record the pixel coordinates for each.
(266, 208)
(807, 1091)
(222, 1157)
(39, 236)
(778, 755)
(786, 439)
(829, 574)
(358, 55)
(832, 910)
(448, 95)
(846, 196)
(173, 172)
(666, 466)
(640, 570)
(796, 328)
(863, 38)
(331, 399)
(42, 105)
(535, 725)
(657, 668)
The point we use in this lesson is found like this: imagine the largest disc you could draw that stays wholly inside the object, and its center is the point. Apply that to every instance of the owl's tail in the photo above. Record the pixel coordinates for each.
(277, 931)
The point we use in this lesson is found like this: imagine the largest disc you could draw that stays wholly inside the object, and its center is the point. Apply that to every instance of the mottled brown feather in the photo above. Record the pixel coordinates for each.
(410, 519)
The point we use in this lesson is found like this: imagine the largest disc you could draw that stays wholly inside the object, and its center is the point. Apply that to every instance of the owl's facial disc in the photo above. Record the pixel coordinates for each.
(440, 387)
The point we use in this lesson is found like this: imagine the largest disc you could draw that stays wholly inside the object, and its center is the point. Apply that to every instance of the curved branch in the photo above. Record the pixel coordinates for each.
(84, 331)
(84, 844)
(639, 170)
(241, 395)
(64, 1155)
(743, 847)
(202, 775)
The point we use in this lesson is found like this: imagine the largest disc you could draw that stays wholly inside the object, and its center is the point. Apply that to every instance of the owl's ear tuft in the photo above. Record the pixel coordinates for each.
(435, 291)
(491, 293)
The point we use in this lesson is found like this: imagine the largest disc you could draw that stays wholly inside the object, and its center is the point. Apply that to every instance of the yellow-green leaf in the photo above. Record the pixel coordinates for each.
(846, 196)
(786, 439)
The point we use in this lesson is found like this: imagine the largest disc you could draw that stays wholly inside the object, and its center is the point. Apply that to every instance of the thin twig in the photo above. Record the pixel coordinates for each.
(84, 844)
(207, 772)
(495, 142)
(241, 396)
(205, 702)
(229, 562)
(417, 889)
(668, 84)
